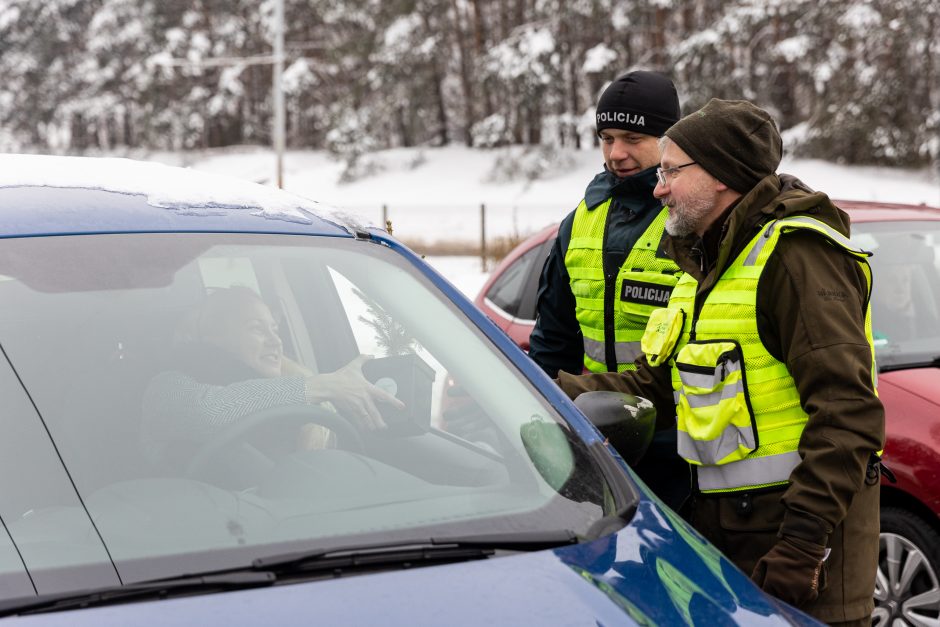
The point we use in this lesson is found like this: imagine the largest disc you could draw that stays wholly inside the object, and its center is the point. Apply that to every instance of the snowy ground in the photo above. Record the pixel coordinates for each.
(434, 194)
(463, 272)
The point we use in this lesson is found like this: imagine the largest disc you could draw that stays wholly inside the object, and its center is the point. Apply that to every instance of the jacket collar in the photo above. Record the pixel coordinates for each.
(634, 193)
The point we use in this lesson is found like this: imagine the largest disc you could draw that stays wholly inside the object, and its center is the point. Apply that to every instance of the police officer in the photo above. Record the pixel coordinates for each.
(607, 270)
(765, 354)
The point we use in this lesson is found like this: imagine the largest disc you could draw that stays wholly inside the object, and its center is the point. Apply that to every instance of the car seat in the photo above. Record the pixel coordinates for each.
(99, 421)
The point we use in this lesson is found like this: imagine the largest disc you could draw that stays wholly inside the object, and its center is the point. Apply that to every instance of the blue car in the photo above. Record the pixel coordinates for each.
(224, 404)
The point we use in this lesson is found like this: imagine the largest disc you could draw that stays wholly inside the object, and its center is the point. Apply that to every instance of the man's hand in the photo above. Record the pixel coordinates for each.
(793, 571)
(352, 394)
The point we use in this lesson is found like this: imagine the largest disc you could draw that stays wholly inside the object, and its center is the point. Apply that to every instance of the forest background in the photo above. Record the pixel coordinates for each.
(849, 81)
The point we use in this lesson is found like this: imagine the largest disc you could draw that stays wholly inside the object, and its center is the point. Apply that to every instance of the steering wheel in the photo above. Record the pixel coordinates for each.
(210, 454)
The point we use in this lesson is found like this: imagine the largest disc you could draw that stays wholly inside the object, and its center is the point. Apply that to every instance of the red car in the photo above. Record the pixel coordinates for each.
(906, 330)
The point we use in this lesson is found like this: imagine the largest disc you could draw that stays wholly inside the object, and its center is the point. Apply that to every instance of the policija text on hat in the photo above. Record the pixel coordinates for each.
(762, 355)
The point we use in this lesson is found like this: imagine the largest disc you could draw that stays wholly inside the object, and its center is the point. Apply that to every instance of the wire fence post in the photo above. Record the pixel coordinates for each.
(483, 236)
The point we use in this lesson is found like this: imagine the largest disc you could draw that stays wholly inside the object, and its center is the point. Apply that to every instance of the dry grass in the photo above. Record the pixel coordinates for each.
(496, 248)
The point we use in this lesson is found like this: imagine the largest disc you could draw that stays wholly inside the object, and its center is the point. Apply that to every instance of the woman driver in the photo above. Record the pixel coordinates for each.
(229, 364)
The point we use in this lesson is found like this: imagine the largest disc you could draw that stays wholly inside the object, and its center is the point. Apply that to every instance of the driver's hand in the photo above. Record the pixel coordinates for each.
(352, 394)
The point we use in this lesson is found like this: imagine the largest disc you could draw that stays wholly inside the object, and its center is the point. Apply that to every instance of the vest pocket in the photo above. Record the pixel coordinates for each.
(715, 420)
(662, 334)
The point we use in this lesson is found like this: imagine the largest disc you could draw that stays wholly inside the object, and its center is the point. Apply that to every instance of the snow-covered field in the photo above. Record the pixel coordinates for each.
(434, 194)
(464, 272)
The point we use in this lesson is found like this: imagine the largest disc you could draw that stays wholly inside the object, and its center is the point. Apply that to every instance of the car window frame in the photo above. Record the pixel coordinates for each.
(526, 295)
(530, 295)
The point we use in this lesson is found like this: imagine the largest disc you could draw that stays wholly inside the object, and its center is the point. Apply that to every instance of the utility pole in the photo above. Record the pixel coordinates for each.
(279, 116)
(277, 88)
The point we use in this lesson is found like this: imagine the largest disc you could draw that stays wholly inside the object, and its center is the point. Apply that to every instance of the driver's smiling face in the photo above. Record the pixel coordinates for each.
(250, 333)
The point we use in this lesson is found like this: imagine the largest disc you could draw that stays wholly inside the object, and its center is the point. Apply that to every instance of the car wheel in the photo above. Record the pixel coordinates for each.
(907, 591)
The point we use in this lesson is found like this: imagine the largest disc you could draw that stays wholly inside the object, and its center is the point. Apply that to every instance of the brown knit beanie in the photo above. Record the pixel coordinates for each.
(733, 140)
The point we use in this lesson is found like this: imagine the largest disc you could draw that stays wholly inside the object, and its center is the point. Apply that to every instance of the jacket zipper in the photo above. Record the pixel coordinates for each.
(610, 286)
(694, 318)
(701, 262)
(702, 266)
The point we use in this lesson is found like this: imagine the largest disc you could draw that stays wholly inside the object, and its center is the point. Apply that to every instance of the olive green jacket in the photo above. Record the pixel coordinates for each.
(811, 304)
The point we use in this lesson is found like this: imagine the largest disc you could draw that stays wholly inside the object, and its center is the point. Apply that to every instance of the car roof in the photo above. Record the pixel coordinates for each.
(873, 211)
(46, 195)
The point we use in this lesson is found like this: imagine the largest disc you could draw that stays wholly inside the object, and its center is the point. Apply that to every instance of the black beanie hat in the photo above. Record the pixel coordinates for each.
(733, 140)
(641, 101)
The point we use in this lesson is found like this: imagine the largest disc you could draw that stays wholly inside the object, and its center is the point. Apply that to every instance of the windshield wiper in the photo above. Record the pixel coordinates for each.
(268, 570)
(186, 584)
(442, 548)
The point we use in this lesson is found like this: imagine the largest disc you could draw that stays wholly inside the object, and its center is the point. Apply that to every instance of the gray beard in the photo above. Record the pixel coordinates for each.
(685, 219)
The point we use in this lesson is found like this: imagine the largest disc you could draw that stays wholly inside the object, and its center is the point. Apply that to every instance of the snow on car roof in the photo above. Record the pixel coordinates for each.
(182, 190)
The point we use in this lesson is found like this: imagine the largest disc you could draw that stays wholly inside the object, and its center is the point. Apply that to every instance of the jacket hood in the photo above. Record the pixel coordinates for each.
(796, 198)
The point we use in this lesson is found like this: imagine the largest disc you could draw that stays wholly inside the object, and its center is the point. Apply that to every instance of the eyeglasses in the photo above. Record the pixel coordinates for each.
(664, 174)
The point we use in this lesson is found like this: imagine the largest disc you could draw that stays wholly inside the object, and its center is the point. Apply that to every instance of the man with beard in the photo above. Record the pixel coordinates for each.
(765, 355)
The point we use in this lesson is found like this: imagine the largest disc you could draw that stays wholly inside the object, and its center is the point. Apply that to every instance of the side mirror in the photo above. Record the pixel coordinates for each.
(627, 421)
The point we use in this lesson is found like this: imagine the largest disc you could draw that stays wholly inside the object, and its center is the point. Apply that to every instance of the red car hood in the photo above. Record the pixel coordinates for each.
(922, 382)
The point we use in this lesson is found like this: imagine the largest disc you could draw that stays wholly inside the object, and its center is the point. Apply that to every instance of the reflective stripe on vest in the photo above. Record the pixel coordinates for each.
(750, 472)
(584, 261)
(735, 445)
(626, 352)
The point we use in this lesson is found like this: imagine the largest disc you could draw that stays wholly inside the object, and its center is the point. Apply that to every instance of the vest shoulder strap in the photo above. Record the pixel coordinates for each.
(774, 228)
(805, 222)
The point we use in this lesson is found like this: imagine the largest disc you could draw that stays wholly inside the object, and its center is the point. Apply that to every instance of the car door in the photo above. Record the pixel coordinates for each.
(513, 296)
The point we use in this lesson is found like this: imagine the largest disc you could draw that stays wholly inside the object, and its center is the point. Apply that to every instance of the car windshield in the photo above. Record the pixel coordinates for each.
(905, 301)
(167, 408)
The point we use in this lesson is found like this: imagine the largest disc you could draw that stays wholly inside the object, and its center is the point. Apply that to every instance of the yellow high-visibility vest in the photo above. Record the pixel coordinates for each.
(738, 409)
(643, 284)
